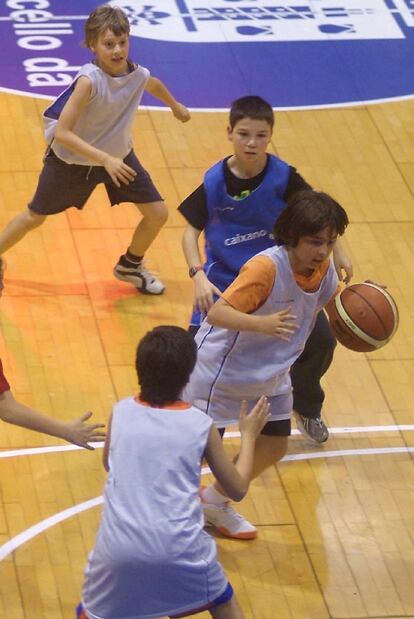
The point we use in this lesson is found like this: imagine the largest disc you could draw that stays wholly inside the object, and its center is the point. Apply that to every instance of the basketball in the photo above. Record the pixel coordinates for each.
(364, 317)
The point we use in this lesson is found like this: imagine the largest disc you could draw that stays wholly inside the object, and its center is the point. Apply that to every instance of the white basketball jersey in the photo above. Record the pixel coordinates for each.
(236, 365)
(152, 557)
(106, 121)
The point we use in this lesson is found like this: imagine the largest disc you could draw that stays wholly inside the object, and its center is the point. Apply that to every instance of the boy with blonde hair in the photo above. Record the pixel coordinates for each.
(89, 129)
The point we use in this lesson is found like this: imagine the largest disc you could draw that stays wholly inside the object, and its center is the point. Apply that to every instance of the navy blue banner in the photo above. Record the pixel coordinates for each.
(294, 54)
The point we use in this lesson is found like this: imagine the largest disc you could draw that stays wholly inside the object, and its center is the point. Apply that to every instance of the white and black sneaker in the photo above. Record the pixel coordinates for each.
(137, 275)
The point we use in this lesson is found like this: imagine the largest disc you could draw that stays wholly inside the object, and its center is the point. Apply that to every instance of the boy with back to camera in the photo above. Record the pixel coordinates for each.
(152, 557)
(258, 328)
(89, 133)
(236, 208)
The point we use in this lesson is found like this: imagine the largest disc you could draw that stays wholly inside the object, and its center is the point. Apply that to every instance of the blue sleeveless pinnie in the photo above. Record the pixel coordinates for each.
(238, 229)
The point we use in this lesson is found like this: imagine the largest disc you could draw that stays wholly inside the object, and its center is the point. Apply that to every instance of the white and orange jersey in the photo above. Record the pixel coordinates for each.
(235, 365)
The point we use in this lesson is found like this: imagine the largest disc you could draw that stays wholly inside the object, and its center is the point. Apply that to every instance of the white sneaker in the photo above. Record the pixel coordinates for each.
(138, 276)
(228, 521)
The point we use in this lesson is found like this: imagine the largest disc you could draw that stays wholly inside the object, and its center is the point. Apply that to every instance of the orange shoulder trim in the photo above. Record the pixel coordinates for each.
(178, 405)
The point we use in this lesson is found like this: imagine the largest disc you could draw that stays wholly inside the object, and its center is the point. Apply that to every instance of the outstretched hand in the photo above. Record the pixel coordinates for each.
(82, 433)
(252, 424)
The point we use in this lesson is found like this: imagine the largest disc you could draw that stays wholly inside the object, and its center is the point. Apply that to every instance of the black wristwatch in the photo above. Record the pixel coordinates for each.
(193, 270)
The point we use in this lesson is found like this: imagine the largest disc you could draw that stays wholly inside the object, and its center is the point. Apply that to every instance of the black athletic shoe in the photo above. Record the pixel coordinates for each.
(315, 429)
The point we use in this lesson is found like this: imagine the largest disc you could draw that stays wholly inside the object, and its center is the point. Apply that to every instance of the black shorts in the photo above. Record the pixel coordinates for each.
(62, 185)
(272, 428)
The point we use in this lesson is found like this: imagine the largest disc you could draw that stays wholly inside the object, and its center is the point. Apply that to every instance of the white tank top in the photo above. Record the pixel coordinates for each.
(106, 122)
(236, 365)
(152, 556)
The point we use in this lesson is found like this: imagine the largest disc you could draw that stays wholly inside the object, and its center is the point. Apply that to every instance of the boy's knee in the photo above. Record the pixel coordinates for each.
(280, 449)
(273, 447)
(161, 214)
(157, 215)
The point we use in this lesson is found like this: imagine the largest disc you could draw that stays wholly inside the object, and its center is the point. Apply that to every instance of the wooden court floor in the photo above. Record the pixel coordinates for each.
(336, 522)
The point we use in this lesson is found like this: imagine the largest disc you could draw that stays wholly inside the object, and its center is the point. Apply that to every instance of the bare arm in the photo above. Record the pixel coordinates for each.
(190, 245)
(116, 168)
(68, 118)
(224, 470)
(281, 324)
(342, 263)
(235, 478)
(77, 431)
(203, 288)
(158, 89)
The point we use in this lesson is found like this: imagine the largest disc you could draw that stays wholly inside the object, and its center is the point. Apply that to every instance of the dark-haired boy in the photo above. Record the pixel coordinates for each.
(258, 328)
(236, 207)
(152, 557)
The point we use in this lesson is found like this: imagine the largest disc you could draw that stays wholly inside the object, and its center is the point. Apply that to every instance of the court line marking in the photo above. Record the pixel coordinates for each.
(214, 110)
(43, 525)
(350, 430)
(34, 451)
(25, 536)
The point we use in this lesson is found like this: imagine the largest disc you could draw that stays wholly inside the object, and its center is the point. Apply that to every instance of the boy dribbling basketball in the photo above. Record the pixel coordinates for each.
(258, 328)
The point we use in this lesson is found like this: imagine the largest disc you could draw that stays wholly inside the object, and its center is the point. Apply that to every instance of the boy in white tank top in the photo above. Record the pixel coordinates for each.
(152, 557)
(88, 128)
(258, 328)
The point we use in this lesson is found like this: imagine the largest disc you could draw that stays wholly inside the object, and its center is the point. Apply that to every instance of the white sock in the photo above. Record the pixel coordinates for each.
(211, 495)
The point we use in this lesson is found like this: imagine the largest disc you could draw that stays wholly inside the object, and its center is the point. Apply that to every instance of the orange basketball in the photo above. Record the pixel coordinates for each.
(364, 317)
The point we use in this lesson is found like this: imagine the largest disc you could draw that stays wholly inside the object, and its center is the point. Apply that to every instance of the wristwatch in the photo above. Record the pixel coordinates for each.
(193, 270)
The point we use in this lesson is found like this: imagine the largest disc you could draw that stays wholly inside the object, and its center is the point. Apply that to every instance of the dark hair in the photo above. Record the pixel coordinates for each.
(105, 17)
(307, 213)
(165, 358)
(252, 107)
